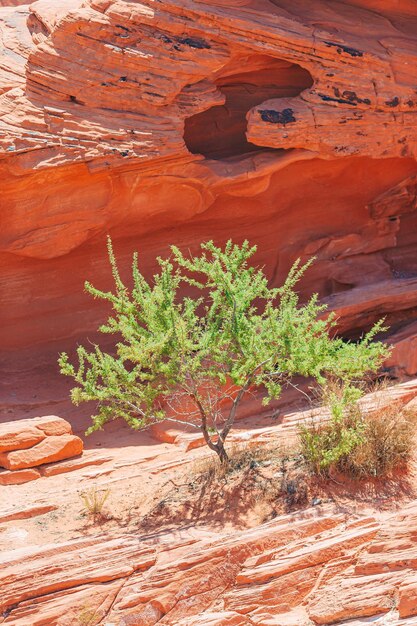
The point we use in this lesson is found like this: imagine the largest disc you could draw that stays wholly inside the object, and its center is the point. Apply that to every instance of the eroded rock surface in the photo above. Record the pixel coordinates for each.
(33, 442)
(316, 568)
(287, 122)
(329, 563)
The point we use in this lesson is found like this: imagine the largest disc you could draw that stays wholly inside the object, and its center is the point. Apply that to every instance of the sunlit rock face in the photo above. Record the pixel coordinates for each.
(292, 124)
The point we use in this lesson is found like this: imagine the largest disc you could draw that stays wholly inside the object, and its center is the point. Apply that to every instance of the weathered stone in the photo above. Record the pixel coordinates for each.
(34, 571)
(18, 435)
(54, 448)
(407, 602)
(26, 433)
(18, 477)
(89, 148)
(61, 467)
(14, 512)
(52, 425)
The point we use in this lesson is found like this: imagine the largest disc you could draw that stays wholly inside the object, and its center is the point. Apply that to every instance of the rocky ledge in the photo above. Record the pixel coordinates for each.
(28, 447)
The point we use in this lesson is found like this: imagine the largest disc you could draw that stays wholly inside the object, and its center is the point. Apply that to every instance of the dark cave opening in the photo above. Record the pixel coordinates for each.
(219, 132)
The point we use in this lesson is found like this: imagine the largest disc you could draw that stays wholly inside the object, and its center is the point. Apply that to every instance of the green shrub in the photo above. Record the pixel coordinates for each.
(358, 444)
(386, 445)
(324, 444)
(206, 352)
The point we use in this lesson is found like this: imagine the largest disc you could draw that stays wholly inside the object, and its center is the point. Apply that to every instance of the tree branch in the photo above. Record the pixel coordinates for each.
(229, 422)
(152, 419)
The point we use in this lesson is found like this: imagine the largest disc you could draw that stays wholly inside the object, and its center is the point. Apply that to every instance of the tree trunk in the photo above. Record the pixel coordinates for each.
(221, 453)
(217, 447)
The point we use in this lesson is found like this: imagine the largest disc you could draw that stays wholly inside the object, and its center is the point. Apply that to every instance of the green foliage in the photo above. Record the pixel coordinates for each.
(205, 329)
(387, 443)
(324, 445)
(357, 443)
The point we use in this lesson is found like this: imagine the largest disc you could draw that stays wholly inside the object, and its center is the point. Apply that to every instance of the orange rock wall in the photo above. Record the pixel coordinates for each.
(290, 123)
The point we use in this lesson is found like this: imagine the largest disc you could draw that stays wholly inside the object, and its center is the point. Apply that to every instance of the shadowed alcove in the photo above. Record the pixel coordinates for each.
(220, 132)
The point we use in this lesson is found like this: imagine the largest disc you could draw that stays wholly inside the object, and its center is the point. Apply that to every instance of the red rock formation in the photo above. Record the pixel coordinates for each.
(18, 477)
(47, 451)
(321, 565)
(288, 122)
(33, 442)
(138, 127)
(27, 433)
(116, 559)
(318, 568)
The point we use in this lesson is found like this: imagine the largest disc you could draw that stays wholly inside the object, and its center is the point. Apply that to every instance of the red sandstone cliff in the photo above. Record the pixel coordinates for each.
(291, 123)
(288, 122)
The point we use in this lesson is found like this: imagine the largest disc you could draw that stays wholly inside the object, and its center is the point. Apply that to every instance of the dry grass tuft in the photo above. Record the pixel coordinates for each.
(241, 458)
(382, 442)
(387, 446)
(93, 500)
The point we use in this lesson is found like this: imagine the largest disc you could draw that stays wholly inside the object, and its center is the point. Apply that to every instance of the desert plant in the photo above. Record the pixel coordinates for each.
(357, 443)
(386, 445)
(94, 500)
(324, 444)
(194, 359)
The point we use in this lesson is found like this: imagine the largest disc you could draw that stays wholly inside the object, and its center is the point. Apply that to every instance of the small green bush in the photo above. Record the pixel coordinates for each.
(323, 445)
(386, 445)
(358, 444)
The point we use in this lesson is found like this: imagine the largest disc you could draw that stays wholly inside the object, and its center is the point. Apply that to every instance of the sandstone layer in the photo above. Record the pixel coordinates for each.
(332, 562)
(290, 123)
(30, 443)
